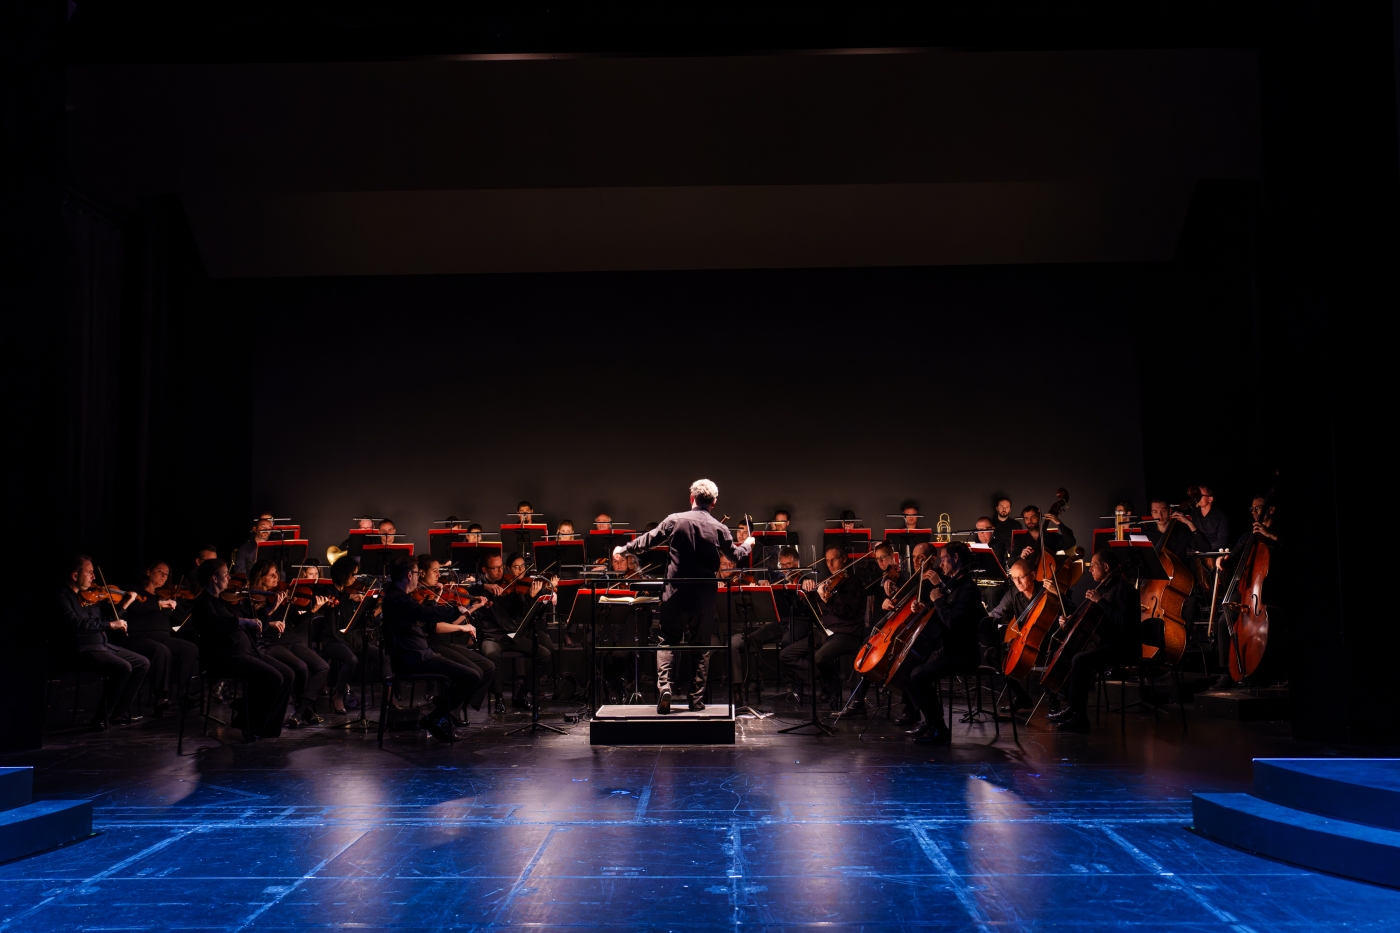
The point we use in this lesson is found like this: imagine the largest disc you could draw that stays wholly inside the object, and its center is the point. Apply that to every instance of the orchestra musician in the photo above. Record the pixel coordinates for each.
(1119, 638)
(1003, 525)
(779, 631)
(335, 640)
(453, 639)
(919, 558)
(228, 647)
(387, 532)
(841, 606)
(949, 643)
(149, 633)
(283, 639)
(602, 522)
(565, 531)
(910, 511)
(1206, 519)
(1181, 537)
(1024, 590)
(1043, 535)
(362, 523)
(1262, 521)
(493, 636)
(697, 540)
(247, 553)
(525, 511)
(473, 535)
(85, 630)
(405, 621)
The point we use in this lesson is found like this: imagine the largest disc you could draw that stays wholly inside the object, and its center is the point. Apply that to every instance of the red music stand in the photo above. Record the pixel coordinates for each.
(377, 557)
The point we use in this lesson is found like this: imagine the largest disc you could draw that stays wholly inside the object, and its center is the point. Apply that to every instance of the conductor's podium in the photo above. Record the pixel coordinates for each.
(643, 725)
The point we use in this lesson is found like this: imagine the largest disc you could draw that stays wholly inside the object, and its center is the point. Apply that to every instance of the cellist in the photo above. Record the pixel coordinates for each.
(1119, 639)
(1024, 590)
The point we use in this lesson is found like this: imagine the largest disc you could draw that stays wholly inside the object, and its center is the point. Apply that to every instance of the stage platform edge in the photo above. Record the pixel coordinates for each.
(617, 724)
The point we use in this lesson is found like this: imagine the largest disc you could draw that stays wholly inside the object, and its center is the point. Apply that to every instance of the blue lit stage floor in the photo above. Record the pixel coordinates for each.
(322, 830)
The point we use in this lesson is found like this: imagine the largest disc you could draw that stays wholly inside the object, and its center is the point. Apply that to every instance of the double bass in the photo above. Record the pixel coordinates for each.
(1065, 572)
(1164, 599)
(1249, 633)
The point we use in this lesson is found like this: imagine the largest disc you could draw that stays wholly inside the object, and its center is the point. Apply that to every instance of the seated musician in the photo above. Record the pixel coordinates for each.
(1043, 535)
(781, 520)
(517, 604)
(910, 511)
(405, 623)
(1181, 536)
(84, 641)
(848, 520)
(456, 640)
(892, 573)
(909, 710)
(1262, 520)
(473, 533)
(1003, 525)
(1206, 519)
(228, 646)
(494, 628)
(387, 532)
(362, 523)
(149, 633)
(247, 553)
(1119, 640)
(565, 531)
(779, 631)
(1024, 589)
(524, 511)
(948, 645)
(986, 534)
(842, 610)
(284, 638)
(181, 613)
(333, 621)
(602, 522)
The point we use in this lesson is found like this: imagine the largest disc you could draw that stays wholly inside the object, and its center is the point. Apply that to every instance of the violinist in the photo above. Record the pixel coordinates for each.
(1003, 525)
(1043, 535)
(1262, 518)
(247, 553)
(173, 660)
(892, 574)
(335, 640)
(840, 602)
(779, 631)
(948, 646)
(565, 531)
(492, 619)
(453, 639)
(405, 620)
(283, 639)
(1119, 639)
(86, 623)
(228, 647)
(1024, 590)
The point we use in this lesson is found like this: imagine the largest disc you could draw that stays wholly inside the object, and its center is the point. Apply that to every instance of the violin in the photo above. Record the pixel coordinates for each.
(100, 594)
(175, 592)
(232, 595)
(304, 596)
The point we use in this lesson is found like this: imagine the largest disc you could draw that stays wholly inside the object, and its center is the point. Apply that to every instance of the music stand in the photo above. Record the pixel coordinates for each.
(804, 603)
(470, 556)
(358, 539)
(852, 542)
(282, 553)
(377, 557)
(985, 565)
(534, 725)
(586, 603)
(287, 532)
(898, 538)
(600, 544)
(551, 557)
(440, 541)
(526, 534)
(754, 606)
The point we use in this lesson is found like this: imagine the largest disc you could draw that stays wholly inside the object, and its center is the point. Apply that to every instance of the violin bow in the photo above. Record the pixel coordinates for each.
(111, 599)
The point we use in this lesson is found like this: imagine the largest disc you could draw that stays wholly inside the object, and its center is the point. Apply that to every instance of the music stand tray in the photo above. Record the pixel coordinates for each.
(600, 544)
(376, 557)
(440, 541)
(283, 553)
(899, 537)
(525, 536)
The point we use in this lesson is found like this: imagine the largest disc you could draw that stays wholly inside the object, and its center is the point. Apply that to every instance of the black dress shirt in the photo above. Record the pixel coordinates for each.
(246, 556)
(221, 632)
(1213, 527)
(958, 613)
(1180, 539)
(146, 617)
(697, 541)
(1055, 538)
(410, 622)
(84, 627)
(844, 610)
(1001, 536)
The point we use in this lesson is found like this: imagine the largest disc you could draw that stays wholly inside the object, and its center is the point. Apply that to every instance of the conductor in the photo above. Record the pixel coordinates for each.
(697, 540)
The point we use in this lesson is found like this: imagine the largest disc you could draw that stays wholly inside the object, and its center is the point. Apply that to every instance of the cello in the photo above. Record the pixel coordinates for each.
(1080, 628)
(877, 654)
(1027, 635)
(1249, 633)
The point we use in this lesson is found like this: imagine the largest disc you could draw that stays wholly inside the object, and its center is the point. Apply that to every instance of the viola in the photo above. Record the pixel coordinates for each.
(304, 596)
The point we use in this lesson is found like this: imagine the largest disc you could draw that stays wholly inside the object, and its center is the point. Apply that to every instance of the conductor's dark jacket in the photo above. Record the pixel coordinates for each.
(697, 541)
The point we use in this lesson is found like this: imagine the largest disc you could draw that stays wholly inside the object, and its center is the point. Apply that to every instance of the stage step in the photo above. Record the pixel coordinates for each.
(1268, 706)
(1317, 842)
(1359, 790)
(27, 828)
(617, 724)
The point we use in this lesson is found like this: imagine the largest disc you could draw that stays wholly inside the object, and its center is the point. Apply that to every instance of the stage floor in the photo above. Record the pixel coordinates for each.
(322, 830)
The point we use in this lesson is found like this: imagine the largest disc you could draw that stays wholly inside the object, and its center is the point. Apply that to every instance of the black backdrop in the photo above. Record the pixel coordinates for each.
(813, 390)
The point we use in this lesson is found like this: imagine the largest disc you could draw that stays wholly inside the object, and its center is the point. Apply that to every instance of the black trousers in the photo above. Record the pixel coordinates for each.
(742, 645)
(269, 686)
(122, 671)
(484, 667)
(989, 637)
(686, 628)
(1088, 664)
(463, 680)
(173, 660)
(342, 660)
(309, 669)
(830, 651)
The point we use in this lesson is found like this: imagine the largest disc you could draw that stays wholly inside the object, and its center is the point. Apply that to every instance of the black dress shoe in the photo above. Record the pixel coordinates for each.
(126, 719)
(1076, 724)
(441, 729)
(857, 709)
(292, 723)
(940, 736)
(161, 706)
(1060, 715)
(907, 719)
(922, 730)
(309, 716)
(98, 724)
(663, 703)
(1226, 682)
(696, 704)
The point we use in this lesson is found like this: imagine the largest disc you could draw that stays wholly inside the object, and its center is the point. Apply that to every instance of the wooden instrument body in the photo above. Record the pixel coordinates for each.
(1251, 634)
(1032, 631)
(1082, 627)
(902, 640)
(875, 656)
(1164, 599)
